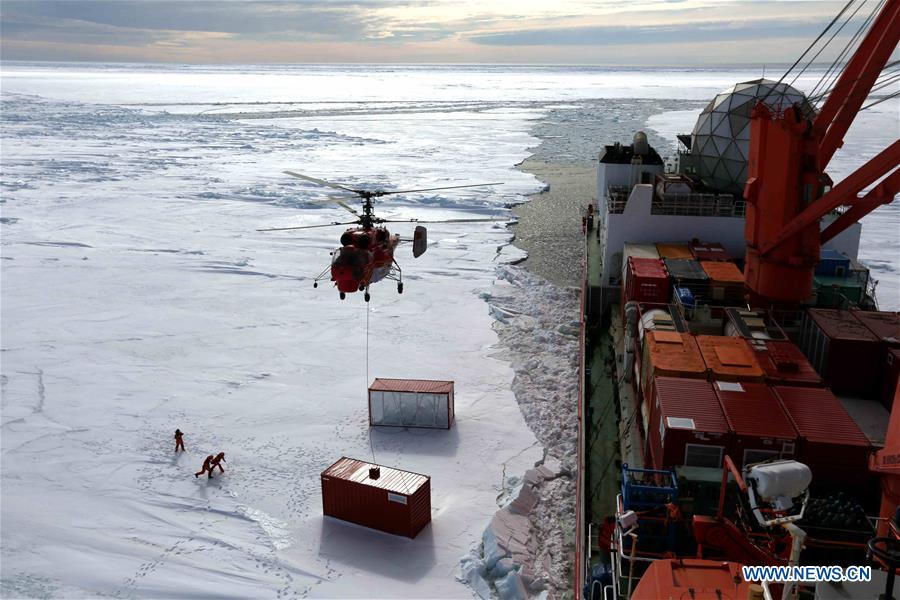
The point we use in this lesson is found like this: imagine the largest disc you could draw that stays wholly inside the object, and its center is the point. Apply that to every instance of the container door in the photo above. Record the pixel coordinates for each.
(422, 410)
(393, 408)
(376, 408)
(442, 411)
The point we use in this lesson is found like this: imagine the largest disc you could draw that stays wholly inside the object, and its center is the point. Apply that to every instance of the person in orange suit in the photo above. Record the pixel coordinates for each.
(207, 467)
(179, 440)
(217, 462)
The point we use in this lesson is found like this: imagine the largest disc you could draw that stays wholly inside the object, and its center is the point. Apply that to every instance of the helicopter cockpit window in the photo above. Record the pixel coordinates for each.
(349, 256)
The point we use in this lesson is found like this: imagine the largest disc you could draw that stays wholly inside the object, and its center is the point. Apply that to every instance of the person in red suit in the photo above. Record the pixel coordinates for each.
(207, 467)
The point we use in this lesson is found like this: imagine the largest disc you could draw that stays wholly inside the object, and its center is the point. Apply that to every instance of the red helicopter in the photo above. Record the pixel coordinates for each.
(366, 254)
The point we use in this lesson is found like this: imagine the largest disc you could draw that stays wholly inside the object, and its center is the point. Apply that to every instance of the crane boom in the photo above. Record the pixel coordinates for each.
(788, 191)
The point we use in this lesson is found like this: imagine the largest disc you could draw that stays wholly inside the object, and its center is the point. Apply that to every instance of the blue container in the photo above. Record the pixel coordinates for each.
(832, 264)
(685, 296)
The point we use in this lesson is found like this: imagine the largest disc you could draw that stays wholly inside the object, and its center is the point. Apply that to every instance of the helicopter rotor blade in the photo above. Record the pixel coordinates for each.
(449, 187)
(447, 221)
(320, 181)
(335, 224)
(345, 206)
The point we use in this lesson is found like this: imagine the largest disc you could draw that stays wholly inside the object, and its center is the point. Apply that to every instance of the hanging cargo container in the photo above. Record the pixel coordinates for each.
(832, 264)
(708, 251)
(890, 378)
(382, 498)
(752, 324)
(681, 251)
(760, 429)
(646, 281)
(784, 364)
(411, 403)
(729, 358)
(726, 282)
(830, 442)
(687, 426)
(885, 326)
(843, 351)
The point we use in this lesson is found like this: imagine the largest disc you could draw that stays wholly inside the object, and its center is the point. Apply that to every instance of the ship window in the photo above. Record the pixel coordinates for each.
(698, 455)
(839, 271)
(757, 456)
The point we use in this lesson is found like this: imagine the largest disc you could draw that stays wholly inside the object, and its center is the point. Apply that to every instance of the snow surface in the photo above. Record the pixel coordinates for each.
(137, 297)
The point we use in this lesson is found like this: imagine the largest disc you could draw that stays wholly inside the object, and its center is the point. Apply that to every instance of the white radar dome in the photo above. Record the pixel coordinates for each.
(720, 142)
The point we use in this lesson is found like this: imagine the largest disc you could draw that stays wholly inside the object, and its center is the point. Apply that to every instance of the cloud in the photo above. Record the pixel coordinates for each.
(256, 31)
(606, 35)
(241, 18)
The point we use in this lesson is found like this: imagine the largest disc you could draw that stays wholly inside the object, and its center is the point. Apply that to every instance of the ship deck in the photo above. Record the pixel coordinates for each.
(611, 424)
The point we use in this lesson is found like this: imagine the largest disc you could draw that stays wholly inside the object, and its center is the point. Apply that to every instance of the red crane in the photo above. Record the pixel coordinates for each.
(788, 191)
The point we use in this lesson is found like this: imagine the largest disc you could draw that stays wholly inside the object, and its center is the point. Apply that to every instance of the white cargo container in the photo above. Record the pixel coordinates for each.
(411, 403)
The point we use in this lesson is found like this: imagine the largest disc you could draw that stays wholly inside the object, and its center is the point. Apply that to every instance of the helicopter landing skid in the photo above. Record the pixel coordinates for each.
(325, 274)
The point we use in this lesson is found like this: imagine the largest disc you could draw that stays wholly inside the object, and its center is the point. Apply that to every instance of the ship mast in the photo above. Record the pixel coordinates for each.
(788, 191)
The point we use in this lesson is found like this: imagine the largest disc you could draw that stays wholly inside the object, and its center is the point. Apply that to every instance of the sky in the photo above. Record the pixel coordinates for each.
(604, 32)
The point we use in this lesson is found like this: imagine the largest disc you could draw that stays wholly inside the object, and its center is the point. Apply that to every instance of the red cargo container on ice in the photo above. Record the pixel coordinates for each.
(646, 280)
(760, 428)
(830, 442)
(784, 364)
(687, 426)
(395, 501)
(843, 351)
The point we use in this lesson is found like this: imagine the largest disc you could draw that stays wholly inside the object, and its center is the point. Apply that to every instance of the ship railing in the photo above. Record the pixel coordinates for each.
(628, 564)
(617, 198)
(698, 205)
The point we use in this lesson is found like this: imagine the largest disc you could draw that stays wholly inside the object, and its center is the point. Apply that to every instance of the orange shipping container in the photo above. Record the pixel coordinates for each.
(729, 358)
(674, 251)
(723, 272)
(670, 354)
(726, 282)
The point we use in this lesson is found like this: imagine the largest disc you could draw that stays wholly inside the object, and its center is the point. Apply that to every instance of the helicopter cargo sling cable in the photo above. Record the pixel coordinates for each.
(371, 445)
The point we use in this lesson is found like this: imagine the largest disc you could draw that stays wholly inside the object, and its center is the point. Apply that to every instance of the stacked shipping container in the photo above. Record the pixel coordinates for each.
(669, 354)
(784, 364)
(886, 327)
(729, 358)
(726, 282)
(830, 442)
(843, 351)
(760, 428)
(646, 280)
(890, 378)
(677, 251)
(687, 426)
(708, 251)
